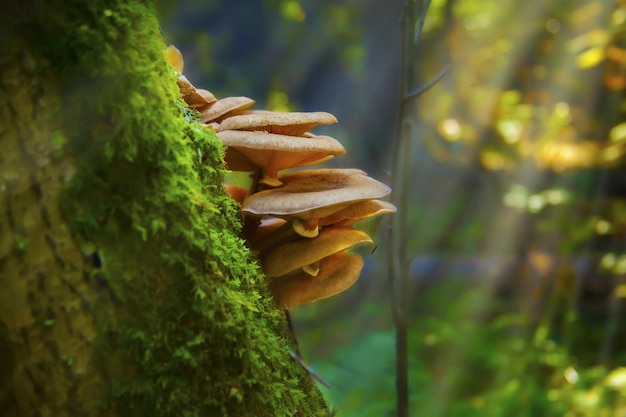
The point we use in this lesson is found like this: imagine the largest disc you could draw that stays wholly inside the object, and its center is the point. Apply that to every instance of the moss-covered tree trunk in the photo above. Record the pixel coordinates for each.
(124, 289)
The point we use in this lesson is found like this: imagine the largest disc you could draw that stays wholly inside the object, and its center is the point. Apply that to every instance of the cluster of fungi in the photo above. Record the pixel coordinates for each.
(299, 224)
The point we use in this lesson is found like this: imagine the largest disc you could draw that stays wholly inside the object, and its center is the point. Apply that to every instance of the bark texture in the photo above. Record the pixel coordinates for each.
(125, 289)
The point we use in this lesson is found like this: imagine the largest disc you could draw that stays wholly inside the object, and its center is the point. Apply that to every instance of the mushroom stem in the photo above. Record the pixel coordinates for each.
(250, 225)
(270, 180)
(254, 185)
(306, 228)
(312, 269)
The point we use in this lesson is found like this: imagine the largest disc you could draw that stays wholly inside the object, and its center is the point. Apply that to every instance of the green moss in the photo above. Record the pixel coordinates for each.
(191, 330)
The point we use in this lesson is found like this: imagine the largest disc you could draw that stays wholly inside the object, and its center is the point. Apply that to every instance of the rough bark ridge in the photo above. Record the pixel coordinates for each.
(125, 287)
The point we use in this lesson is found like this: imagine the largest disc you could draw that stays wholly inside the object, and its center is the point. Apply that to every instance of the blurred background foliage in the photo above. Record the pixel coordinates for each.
(518, 203)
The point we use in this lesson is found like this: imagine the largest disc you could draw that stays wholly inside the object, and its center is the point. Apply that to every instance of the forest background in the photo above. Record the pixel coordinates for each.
(517, 203)
(127, 291)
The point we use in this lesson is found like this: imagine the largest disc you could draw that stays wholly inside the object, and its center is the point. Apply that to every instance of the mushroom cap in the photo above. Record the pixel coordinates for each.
(200, 98)
(336, 274)
(282, 123)
(185, 86)
(236, 192)
(273, 152)
(175, 58)
(289, 257)
(313, 194)
(194, 97)
(223, 106)
(357, 211)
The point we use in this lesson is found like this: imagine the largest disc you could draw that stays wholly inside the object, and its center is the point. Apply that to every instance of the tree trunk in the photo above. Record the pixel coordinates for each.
(125, 289)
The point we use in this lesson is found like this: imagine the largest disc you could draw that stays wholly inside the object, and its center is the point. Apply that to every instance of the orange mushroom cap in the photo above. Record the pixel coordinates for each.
(336, 274)
(357, 211)
(236, 192)
(175, 58)
(289, 257)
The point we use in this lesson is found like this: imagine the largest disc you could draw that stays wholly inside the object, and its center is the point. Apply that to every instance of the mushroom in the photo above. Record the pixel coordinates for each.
(336, 274)
(272, 152)
(175, 58)
(282, 123)
(358, 211)
(223, 107)
(236, 192)
(308, 196)
(195, 98)
(304, 254)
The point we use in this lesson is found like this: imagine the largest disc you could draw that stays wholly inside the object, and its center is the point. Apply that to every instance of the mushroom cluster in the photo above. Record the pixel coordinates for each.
(298, 223)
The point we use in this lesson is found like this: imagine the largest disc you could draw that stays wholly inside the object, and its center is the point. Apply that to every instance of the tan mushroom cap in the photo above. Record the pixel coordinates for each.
(300, 254)
(194, 97)
(223, 107)
(282, 123)
(358, 211)
(309, 195)
(336, 274)
(272, 152)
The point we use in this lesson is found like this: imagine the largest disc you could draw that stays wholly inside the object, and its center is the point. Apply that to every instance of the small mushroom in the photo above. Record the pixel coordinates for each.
(336, 274)
(195, 98)
(305, 253)
(310, 195)
(175, 58)
(281, 123)
(237, 192)
(223, 107)
(272, 152)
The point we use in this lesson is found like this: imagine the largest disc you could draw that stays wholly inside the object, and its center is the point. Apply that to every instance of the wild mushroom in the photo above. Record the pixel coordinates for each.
(236, 192)
(175, 58)
(272, 153)
(336, 274)
(281, 123)
(358, 211)
(305, 253)
(308, 196)
(194, 97)
(223, 107)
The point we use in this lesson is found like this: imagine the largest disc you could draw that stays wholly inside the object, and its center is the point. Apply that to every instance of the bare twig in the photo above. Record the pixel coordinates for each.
(421, 90)
(398, 236)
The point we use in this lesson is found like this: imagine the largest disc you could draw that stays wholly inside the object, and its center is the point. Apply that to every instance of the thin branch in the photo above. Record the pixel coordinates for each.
(421, 90)
(397, 233)
(420, 24)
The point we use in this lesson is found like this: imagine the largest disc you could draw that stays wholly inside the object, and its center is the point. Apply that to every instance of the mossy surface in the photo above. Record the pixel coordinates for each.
(186, 324)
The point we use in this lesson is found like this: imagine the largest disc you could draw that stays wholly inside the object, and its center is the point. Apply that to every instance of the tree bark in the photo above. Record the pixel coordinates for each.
(125, 289)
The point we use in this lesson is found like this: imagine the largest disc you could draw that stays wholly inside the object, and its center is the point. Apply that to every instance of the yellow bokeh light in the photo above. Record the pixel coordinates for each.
(511, 130)
(278, 101)
(608, 261)
(292, 10)
(602, 227)
(450, 129)
(571, 375)
(535, 203)
(617, 378)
